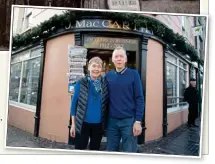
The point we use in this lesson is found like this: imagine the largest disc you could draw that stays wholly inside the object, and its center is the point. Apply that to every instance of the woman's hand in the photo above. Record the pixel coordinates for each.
(72, 131)
(72, 90)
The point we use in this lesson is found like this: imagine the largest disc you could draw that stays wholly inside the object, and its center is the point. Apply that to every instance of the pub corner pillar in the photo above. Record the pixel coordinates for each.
(154, 106)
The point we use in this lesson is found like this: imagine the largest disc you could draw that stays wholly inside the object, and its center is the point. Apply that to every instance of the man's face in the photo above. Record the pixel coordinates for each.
(119, 59)
(193, 83)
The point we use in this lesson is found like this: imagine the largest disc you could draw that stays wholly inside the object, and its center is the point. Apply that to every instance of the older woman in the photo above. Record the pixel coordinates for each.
(89, 107)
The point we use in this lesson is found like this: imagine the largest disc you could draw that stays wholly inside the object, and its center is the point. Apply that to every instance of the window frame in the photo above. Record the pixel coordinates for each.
(178, 67)
(19, 104)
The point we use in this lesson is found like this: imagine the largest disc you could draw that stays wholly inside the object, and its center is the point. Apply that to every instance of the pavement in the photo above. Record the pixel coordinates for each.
(182, 141)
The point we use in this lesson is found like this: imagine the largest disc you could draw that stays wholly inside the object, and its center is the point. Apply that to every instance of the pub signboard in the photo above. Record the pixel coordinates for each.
(105, 24)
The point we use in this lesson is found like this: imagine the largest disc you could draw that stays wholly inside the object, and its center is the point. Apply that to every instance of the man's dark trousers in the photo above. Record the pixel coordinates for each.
(193, 114)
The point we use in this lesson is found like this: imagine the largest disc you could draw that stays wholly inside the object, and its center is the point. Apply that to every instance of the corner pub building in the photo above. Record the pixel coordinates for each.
(39, 101)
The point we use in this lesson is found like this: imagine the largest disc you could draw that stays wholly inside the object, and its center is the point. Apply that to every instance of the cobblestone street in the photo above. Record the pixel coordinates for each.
(182, 141)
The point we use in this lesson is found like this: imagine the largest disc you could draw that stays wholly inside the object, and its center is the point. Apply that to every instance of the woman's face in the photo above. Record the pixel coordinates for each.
(95, 70)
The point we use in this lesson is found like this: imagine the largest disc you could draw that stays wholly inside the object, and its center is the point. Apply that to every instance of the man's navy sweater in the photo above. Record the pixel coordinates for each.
(125, 94)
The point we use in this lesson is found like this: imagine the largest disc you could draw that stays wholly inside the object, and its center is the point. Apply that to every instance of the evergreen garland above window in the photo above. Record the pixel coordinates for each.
(160, 30)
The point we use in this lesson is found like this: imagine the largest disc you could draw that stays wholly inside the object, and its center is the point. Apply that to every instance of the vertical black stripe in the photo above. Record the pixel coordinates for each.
(165, 122)
(143, 66)
(199, 89)
(39, 90)
(190, 71)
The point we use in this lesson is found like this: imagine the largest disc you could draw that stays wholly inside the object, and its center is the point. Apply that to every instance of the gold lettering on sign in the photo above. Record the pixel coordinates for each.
(82, 24)
(126, 26)
(68, 26)
(116, 25)
(103, 23)
(89, 24)
(94, 24)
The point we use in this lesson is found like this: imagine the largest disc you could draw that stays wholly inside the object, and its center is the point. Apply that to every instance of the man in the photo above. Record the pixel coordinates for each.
(191, 96)
(126, 104)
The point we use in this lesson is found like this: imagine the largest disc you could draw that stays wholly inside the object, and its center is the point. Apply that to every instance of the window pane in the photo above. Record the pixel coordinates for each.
(183, 65)
(24, 56)
(171, 102)
(15, 58)
(30, 79)
(36, 52)
(182, 83)
(14, 81)
(171, 59)
(193, 73)
(171, 73)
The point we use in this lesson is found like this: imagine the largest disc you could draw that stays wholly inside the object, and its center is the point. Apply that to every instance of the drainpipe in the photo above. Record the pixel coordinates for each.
(165, 122)
(39, 91)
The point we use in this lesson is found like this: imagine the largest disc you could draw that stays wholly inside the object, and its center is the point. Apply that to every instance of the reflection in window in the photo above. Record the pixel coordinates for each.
(15, 81)
(30, 81)
(182, 83)
(36, 52)
(171, 85)
(176, 81)
(172, 59)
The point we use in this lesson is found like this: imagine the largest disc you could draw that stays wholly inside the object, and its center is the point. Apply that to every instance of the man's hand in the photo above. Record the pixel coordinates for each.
(72, 131)
(137, 128)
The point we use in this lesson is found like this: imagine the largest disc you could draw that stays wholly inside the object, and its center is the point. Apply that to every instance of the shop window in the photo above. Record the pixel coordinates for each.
(171, 73)
(24, 78)
(182, 84)
(193, 73)
(15, 81)
(176, 82)
(29, 82)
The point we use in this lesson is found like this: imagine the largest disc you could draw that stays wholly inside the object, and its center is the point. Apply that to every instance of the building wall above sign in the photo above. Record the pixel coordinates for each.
(132, 5)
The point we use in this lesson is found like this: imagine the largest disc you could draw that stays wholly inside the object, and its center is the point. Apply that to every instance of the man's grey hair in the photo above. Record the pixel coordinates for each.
(119, 49)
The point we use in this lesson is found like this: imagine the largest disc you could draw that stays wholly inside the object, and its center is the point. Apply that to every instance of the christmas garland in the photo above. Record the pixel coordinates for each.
(50, 27)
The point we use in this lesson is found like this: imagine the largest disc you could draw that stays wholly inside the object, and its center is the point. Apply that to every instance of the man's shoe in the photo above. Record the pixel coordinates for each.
(195, 125)
(189, 125)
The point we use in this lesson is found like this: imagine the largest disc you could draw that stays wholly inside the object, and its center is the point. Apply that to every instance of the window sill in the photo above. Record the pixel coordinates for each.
(177, 109)
(23, 106)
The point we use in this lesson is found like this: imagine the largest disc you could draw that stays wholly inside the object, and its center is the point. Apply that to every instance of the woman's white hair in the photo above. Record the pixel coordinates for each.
(119, 49)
